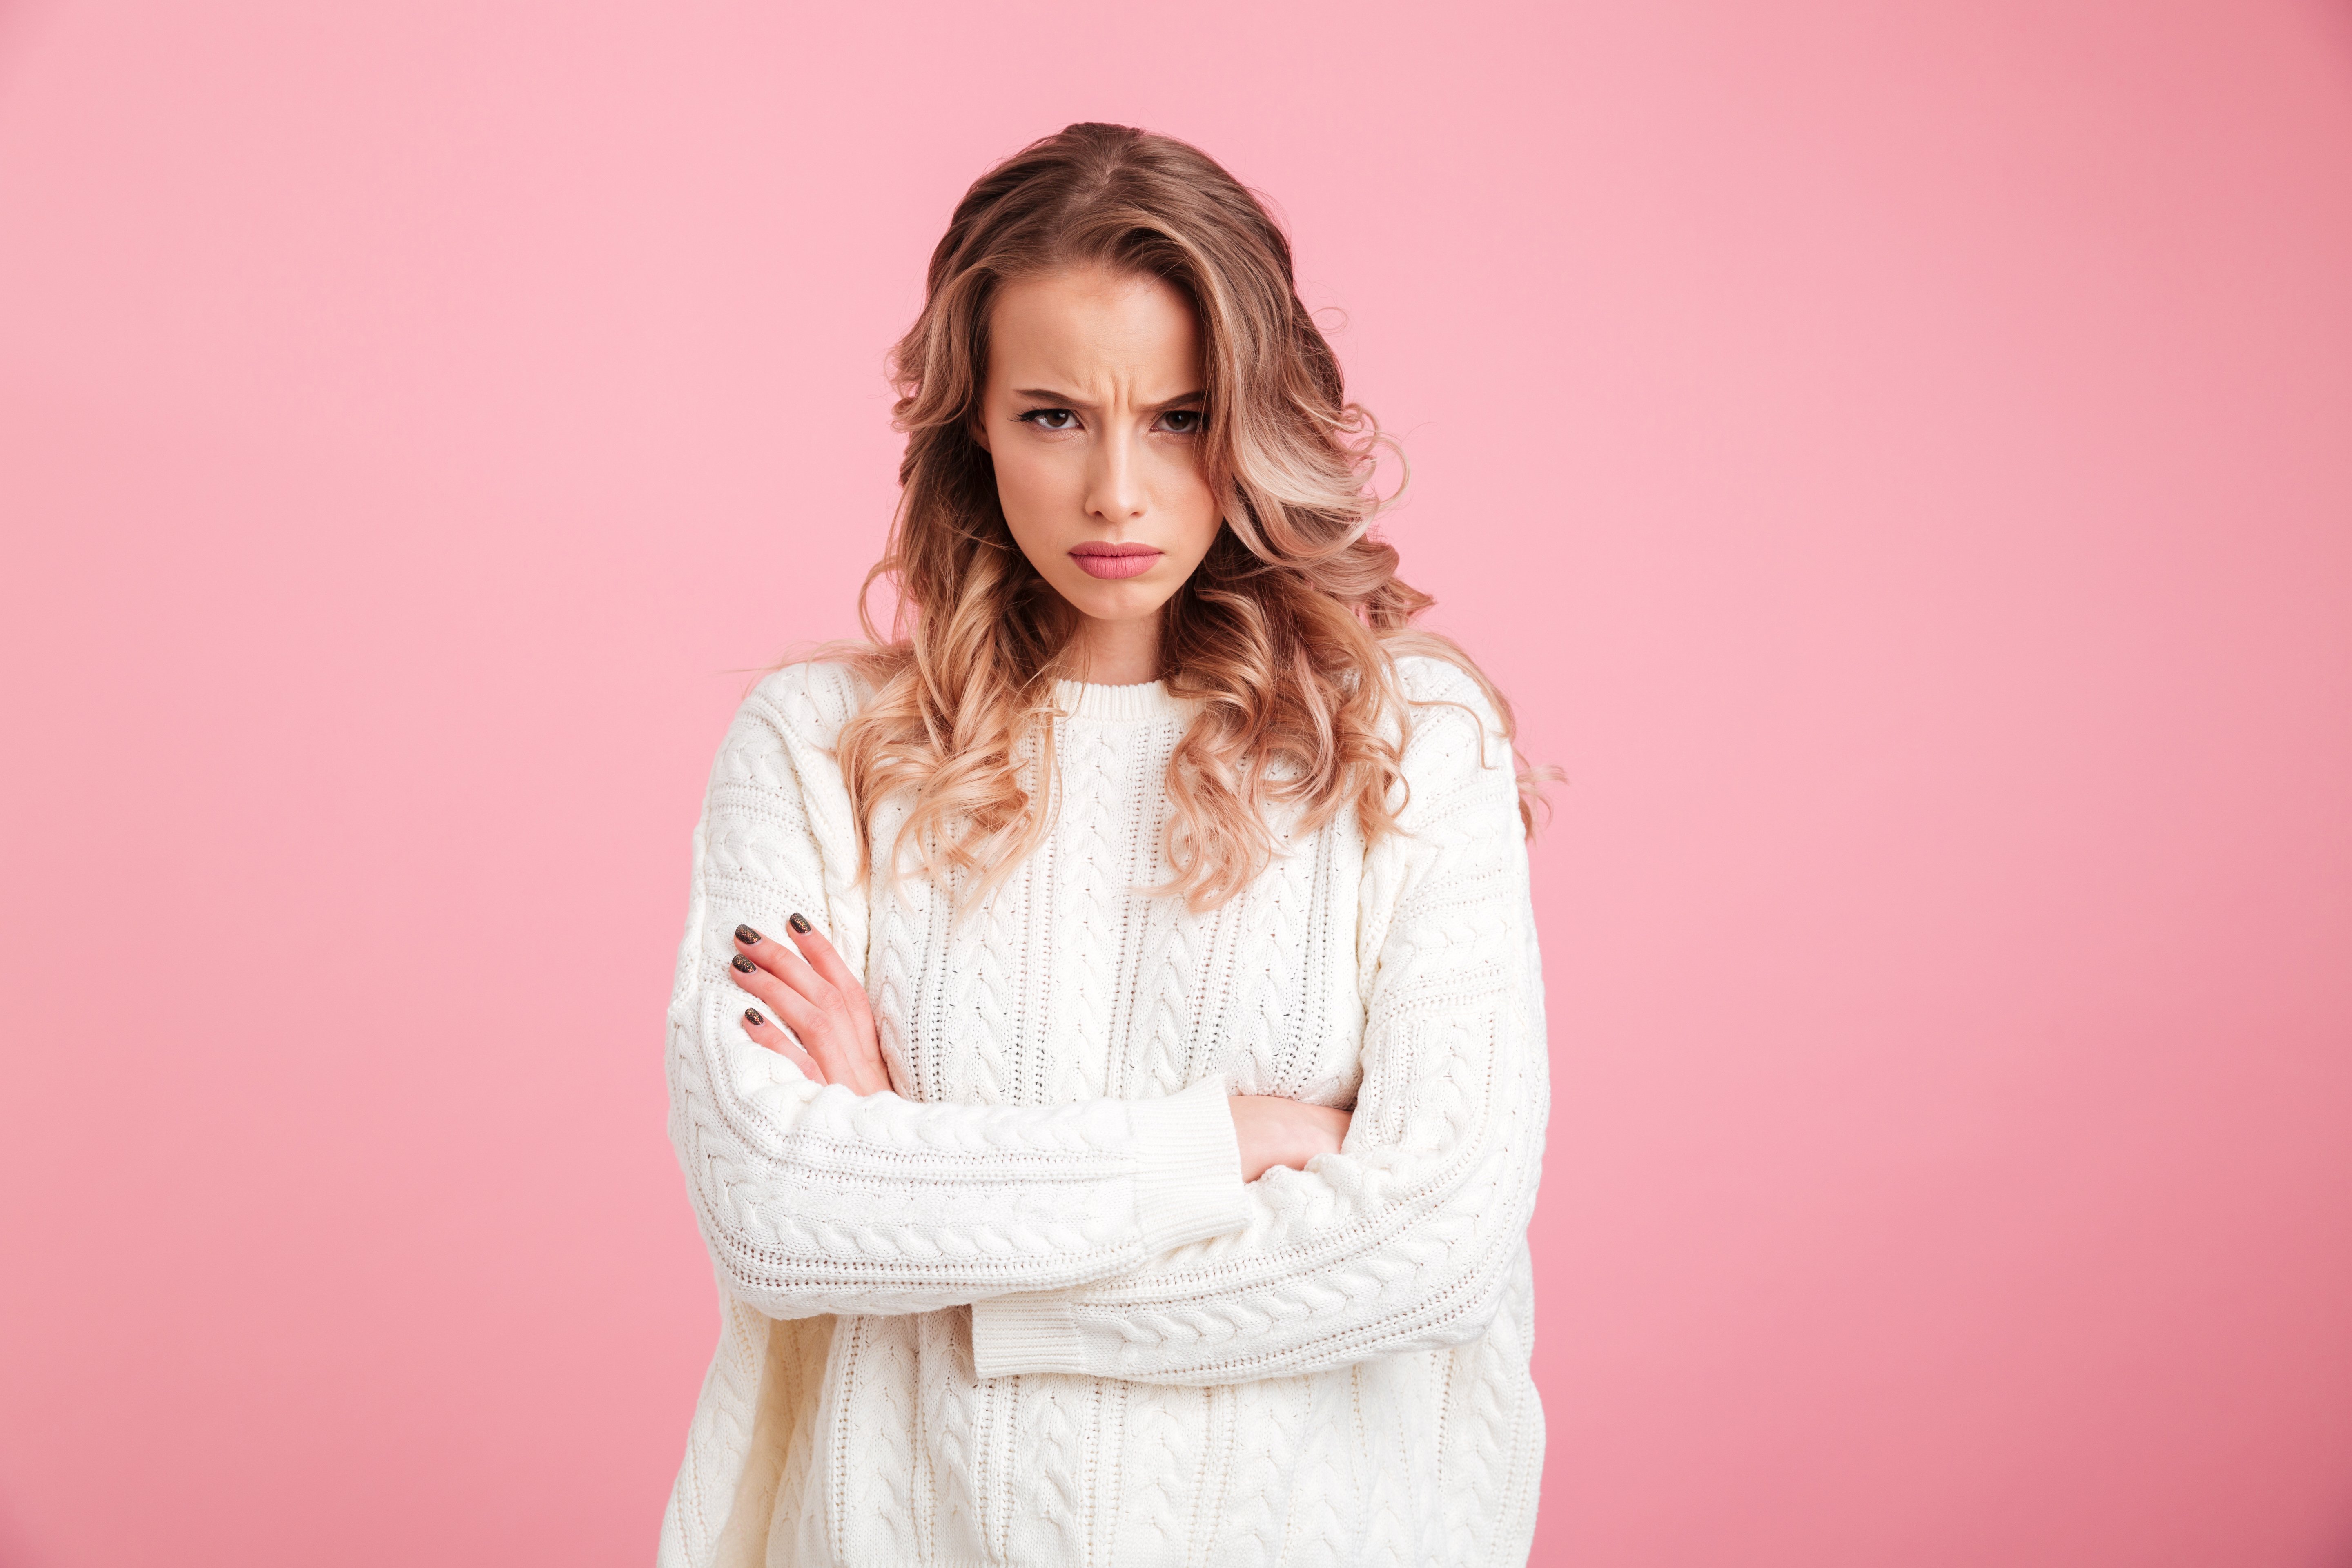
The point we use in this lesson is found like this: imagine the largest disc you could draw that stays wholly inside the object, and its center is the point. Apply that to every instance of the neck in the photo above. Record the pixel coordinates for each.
(1117, 653)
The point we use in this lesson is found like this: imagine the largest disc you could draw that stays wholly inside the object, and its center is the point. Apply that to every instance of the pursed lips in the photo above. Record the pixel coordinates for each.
(1102, 559)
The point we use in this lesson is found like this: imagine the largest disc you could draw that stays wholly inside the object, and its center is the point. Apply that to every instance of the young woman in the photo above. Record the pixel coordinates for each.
(1107, 1049)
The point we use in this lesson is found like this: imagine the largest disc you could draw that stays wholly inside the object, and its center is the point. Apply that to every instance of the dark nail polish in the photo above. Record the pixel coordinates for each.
(747, 936)
(751, 1016)
(800, 924)
(745, 964)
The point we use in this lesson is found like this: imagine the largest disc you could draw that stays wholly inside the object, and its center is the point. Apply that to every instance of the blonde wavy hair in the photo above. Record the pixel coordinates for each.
(1287, 633)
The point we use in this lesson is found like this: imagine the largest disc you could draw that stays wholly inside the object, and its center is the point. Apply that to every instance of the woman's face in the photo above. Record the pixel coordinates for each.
(1092, 414)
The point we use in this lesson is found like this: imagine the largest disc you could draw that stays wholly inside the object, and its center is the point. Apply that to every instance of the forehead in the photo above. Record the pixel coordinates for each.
(1094, 326)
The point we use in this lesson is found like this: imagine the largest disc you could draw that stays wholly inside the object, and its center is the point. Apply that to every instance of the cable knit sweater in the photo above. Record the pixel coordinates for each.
(1024, 1311)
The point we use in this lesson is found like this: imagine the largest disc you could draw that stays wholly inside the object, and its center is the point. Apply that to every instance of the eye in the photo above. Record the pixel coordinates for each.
(1048, 419)
(1179, 421)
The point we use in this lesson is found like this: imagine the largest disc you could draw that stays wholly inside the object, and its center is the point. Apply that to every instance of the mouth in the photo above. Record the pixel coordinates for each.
(1098, 559)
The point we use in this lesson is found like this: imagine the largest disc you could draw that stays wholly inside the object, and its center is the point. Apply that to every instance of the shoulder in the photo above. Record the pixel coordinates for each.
(1428, 678)
(1447, 707)
(1457, 752)
(804, 704)
(775, 802)
(783, 732)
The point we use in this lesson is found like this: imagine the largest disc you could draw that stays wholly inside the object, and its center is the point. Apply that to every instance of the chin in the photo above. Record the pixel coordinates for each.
(1127, 601)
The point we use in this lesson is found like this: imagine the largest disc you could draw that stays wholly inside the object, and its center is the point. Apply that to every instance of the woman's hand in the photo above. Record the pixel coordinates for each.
(1277, 1132)
(812, 991)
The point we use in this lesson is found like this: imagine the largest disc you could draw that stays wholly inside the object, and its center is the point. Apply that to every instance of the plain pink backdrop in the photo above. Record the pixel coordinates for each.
(1898, 457)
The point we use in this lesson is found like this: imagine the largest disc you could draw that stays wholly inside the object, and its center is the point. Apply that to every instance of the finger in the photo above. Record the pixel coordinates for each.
(819, 1030)
(763, 1031)
(840, 1039)
(841, 1035)
(827, 962)
(816, 970)
(786, 965)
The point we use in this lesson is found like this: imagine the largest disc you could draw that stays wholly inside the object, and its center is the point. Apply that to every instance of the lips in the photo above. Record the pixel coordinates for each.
(1097, 559)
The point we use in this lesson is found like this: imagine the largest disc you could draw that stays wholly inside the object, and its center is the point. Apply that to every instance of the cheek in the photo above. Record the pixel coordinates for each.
(1031, 485)
(1191, 500)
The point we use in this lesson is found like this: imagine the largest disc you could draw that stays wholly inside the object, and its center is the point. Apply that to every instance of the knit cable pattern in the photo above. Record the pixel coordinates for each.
(1050, 1323)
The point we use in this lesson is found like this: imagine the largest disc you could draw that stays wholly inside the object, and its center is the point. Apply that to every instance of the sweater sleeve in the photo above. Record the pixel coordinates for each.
(1407, 1238)
(813, 1199)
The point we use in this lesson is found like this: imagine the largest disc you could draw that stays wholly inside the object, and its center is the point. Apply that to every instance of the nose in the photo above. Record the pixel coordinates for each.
(1114, 484)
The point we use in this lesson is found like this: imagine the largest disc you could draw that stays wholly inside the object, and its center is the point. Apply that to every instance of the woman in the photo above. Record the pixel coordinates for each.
(1108, 1051)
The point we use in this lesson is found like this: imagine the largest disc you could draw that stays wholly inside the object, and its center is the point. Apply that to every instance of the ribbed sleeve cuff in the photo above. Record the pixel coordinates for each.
(1188, 1179)
(1015, 1334)
(1188, 1187)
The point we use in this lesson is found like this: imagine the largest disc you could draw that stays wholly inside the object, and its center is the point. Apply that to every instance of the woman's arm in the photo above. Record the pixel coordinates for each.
(832, 1038)
(814, 1198)
(1407, 1238)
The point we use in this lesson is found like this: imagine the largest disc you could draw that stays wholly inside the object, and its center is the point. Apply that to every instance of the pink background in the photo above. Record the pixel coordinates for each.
(1899, 457)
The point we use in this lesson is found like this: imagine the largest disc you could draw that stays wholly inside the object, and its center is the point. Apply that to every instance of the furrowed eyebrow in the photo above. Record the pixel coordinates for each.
(1064, 400)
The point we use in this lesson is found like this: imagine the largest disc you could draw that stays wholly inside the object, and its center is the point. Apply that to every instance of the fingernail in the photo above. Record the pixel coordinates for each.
(747, 936)
(799, 925)
(751, 1016)
(745, 964)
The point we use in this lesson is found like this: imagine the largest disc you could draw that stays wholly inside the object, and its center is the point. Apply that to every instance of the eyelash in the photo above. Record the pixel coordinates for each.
(1036, 416)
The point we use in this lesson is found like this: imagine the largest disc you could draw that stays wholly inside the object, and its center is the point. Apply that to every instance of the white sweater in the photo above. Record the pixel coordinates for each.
(1024, 1311)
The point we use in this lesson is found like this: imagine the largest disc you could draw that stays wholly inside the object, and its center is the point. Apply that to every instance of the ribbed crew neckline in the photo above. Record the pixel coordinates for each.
(1119, 704)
